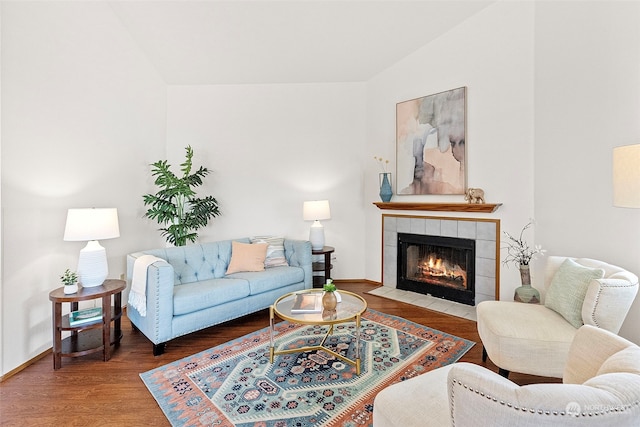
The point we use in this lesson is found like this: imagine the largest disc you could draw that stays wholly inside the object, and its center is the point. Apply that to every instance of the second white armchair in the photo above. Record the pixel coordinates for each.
(601, 387)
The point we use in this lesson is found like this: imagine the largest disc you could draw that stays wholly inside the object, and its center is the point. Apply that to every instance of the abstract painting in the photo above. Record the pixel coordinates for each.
(430, 144)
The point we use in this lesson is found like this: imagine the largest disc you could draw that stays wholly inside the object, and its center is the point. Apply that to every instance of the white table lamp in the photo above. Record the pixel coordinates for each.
(626, 176)
(91, 225)
(315, 211)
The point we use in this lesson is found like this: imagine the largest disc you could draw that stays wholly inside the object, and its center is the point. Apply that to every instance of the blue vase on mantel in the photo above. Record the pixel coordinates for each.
(385, 186)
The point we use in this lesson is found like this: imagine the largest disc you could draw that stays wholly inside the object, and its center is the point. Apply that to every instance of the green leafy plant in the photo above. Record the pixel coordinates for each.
(69, 278)
(175, 205)
(329, 286)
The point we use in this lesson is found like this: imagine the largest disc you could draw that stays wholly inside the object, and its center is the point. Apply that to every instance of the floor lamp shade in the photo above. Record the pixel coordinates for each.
(626, 176)
(315, 211)
(91, 225)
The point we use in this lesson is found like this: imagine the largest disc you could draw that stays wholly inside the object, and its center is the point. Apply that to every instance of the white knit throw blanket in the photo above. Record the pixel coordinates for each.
(138, 293)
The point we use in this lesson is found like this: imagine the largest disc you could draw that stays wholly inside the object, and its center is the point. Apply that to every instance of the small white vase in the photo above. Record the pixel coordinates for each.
(70, 289)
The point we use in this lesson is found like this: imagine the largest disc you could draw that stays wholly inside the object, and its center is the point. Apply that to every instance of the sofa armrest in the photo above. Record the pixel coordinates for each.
(298, 254)
(607, 303)
(156, 325)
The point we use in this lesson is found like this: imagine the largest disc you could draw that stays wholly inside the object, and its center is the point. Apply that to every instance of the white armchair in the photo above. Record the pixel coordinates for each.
(534, 338)
(601, 387)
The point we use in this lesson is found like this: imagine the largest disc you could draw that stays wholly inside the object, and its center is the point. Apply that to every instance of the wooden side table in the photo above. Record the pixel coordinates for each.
(324, 266)
(88, 337)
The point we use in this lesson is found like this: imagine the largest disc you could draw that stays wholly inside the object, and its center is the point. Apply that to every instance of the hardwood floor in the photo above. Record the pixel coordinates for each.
(89, 392)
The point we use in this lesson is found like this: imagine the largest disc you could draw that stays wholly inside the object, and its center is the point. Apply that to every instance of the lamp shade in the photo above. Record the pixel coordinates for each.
(316, 210)
(626, 176)
(91, 224)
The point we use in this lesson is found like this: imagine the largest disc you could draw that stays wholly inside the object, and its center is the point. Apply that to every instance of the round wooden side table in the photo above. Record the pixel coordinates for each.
(89, 337)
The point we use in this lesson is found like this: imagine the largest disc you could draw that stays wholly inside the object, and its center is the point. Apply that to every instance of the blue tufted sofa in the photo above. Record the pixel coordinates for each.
(189, 290)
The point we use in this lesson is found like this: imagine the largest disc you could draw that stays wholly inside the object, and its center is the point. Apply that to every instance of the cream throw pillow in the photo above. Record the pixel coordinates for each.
(568, 288)
(247, 257)
(275, 250)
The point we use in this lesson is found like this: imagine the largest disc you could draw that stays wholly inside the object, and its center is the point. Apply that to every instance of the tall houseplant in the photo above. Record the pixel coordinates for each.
(175, 205)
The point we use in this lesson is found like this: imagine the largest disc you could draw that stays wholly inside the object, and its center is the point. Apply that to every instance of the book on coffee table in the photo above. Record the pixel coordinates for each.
(307, 303)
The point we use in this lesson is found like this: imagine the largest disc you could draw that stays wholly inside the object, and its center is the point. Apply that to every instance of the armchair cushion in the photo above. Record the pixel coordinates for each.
(526, 338)
(568, 289)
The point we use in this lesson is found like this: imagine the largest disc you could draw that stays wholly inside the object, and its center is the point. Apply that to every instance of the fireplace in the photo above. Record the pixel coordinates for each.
(485, 232)
(440, 266)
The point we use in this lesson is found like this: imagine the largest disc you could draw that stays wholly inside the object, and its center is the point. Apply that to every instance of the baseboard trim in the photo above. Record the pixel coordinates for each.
(25, 365)
(367, 281)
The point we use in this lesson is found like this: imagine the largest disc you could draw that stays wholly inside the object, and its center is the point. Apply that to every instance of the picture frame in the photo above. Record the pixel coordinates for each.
(431, 144)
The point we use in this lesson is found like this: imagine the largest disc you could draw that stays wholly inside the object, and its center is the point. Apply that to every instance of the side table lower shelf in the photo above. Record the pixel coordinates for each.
(87, 342)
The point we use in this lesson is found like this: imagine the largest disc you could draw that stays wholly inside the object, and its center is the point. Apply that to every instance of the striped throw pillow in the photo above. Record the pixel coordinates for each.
(275, 250)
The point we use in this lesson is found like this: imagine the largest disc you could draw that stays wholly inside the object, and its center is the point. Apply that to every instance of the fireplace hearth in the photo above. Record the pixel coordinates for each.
(439, 266)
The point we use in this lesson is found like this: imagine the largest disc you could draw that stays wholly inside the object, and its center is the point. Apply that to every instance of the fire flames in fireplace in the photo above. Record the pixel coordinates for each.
(434, 269)
(440, 266)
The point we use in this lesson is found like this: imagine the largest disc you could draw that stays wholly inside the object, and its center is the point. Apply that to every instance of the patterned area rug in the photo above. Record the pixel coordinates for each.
(234, 384)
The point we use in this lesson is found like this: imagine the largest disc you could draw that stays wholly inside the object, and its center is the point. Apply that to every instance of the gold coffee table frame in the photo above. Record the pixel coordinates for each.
(350, 308)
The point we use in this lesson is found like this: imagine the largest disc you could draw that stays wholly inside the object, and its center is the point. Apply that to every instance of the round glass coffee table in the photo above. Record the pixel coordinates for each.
(349, 309)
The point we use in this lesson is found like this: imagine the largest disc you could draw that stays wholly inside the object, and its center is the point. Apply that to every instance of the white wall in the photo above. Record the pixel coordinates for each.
(271, 147)
(83, 114)
(587, 88)
(498, 74)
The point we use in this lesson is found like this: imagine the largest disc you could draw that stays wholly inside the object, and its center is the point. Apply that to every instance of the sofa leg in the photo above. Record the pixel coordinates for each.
(503, 372)
(158, 349)
(484, 354)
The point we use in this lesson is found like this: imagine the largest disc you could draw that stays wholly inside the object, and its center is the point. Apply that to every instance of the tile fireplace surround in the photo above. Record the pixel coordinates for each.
(484, 231)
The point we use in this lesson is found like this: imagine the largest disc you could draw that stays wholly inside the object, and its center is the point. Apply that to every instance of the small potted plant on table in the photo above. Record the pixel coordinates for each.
(70, 281)
(329, 299)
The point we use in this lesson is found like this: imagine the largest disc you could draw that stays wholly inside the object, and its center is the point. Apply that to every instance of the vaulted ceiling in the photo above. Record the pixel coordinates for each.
(261, 41)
